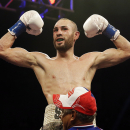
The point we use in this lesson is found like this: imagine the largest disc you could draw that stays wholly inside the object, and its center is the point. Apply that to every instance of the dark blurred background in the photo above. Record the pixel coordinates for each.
(22, 100)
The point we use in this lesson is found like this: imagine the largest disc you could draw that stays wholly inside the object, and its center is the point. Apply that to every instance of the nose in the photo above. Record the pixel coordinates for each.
(58, 35)
(59, 32)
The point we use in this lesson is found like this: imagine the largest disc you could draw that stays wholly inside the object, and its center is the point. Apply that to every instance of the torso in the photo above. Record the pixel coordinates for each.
(58, 77)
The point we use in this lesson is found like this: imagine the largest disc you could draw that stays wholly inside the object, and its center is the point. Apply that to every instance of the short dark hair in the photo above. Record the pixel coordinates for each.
(82, 117)
(85, 118)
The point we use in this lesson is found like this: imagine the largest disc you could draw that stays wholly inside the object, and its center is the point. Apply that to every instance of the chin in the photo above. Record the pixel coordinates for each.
(60, 48)
(60, 44)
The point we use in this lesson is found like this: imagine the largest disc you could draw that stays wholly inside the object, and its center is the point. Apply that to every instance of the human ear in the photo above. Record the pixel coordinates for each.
(73, 115)
(76, 35)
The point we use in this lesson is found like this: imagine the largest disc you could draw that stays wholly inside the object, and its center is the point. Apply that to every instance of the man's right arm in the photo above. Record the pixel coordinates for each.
(16, 56)
(30, 22)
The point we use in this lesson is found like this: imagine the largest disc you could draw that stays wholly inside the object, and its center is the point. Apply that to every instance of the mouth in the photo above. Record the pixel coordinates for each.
(59, 39)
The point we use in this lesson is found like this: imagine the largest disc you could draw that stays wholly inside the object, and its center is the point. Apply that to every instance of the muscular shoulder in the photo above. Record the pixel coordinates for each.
(90, 58)
(40, 57)
(90, 55)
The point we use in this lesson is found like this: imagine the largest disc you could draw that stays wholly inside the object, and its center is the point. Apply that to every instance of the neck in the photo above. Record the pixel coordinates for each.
(82, 124)
(69, 55)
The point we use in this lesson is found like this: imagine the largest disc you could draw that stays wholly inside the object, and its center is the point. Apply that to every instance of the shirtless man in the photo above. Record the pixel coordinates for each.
(65, 71)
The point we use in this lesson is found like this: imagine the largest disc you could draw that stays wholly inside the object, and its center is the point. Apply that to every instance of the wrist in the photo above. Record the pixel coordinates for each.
(111, 32)
(17, 28)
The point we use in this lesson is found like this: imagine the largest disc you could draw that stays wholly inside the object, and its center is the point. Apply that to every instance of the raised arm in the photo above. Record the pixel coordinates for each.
(111, 57)
(16, 56)
(32, 23)
(96, 25)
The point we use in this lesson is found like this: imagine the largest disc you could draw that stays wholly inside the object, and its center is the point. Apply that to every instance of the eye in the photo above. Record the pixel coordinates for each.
(65, 28)
(54, 30)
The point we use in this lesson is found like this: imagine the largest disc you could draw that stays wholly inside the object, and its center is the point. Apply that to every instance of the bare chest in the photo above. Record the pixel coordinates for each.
(68, 73)
(60, 77)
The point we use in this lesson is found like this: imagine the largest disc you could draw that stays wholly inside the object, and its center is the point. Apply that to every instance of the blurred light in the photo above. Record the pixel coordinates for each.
(42, 14)
(23, 4)
(59, 16)
(52, 1)
(8, 3)
(71, 4)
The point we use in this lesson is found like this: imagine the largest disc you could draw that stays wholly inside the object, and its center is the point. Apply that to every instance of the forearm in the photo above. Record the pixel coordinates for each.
(32, 19)
(96, 25)
(6, 41)
(122, 43)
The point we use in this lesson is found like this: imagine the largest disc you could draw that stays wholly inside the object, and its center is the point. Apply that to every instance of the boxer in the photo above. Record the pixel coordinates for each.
(65, 71)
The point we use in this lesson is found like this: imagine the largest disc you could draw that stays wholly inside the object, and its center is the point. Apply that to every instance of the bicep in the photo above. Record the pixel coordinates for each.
(110, 57)
(19, 57)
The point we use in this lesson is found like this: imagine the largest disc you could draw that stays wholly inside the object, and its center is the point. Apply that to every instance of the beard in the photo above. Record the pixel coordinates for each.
(67, 45)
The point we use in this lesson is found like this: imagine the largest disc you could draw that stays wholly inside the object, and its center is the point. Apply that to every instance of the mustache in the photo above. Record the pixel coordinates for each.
(59, 38)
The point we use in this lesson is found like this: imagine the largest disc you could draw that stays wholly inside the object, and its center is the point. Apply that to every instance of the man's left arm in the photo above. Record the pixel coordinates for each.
(95, 25)
(111, 57)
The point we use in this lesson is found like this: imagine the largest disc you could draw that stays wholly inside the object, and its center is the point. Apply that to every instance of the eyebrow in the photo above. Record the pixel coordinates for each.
(60, 26)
